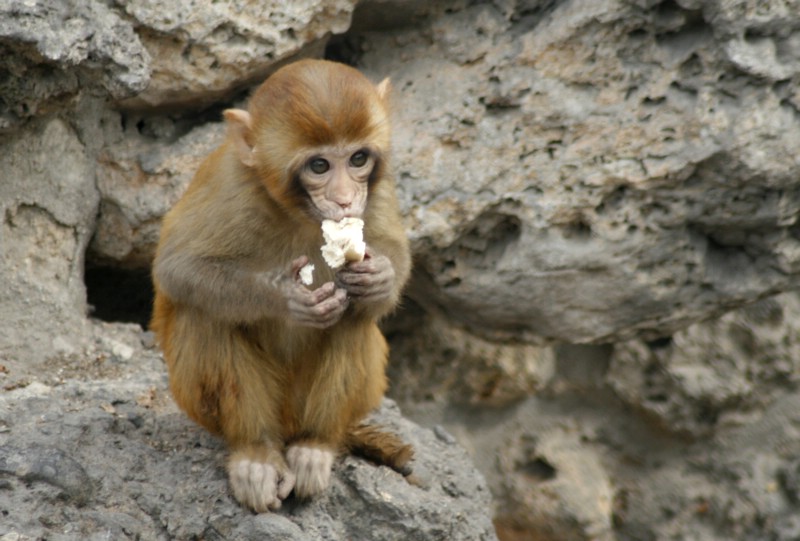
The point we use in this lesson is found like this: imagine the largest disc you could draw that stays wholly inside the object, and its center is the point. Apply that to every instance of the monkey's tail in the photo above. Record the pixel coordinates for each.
(376, 445)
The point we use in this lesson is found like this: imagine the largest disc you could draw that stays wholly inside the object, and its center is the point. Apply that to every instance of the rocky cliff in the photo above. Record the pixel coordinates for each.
(602, 198)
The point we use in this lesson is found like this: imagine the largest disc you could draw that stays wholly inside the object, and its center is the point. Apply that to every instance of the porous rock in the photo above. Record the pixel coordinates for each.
(589, 172)
(205, 51)
(53, 51)
(556, 488)
(435, 360)
(96, 447)
(712, 373)
(48, 203)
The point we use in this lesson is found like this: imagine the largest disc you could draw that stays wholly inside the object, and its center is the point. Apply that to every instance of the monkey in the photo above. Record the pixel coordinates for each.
(285, 373)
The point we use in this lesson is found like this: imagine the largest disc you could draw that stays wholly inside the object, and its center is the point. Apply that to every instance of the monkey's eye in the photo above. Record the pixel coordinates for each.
(359, 159)
(319, 165)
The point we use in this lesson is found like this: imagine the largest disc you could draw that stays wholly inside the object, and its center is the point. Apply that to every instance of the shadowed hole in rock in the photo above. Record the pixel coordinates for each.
(488, 239)
(660, 343)
(539, 469)
(578, 229)
(119, 295)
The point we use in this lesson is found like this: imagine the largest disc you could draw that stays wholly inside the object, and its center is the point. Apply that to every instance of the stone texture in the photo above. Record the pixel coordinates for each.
(48, 202)
(588, 172)
(438, 361)
(696, 439)
(715, 372)
(52, 51)
(95, 448)
(207, 50)
(139, 181)
(556, 487)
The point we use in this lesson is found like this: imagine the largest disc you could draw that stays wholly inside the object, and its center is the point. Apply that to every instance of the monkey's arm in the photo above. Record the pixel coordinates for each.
(227, 289)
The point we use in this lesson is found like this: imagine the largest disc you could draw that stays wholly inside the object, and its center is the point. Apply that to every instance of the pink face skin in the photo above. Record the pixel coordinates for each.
(336, 179)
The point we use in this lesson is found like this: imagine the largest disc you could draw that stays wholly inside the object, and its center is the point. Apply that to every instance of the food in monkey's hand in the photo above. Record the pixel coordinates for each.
(307, 274)
(344, 241)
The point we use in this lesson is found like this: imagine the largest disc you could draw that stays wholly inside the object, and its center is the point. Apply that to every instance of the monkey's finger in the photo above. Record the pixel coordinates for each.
(318, 295)
(286, 484)
(357, 278)
(332, 306)
(264, 488)
(360, 284)
(375, 264)
(365, 266)
(298, 264)
(325, 313)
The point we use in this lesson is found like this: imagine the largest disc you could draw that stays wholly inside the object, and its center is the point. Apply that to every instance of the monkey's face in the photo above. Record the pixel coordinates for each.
(316, 134)
(336, 179)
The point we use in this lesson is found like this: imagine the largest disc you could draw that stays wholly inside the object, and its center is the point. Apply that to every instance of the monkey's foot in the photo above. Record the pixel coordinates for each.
(311, 464)
(260, 478)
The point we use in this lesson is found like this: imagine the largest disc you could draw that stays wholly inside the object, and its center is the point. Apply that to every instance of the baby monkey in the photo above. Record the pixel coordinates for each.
(286, 372)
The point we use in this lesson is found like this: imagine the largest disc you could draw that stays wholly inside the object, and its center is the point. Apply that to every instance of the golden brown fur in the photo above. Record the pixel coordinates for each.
(238, 365)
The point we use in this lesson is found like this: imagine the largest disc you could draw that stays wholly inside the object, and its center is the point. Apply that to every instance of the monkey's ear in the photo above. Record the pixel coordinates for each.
(240, 131)
(384, 88)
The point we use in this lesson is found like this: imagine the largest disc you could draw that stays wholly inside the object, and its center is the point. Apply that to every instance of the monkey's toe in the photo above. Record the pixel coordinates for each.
(312, 468)
(260, 485)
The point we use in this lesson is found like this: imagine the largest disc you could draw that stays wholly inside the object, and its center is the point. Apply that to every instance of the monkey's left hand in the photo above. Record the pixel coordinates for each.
(370, 280)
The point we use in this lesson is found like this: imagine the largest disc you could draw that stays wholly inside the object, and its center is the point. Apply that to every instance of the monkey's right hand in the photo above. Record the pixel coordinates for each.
(319, 308)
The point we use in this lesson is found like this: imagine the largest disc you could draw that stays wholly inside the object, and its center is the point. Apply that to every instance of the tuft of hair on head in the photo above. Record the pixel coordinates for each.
(313, 103)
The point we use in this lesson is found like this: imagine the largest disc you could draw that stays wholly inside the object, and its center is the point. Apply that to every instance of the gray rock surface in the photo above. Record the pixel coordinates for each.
(703, 375)
(48, 203)
(592, 171)
(690, 438)
(205, 51)
(94, 448)
(52, 51)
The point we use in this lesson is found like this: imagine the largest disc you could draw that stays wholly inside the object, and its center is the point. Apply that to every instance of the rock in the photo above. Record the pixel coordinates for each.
(721, 488)
(205, 52)
(556, 489)
(712, 372)
(48, 202)
(139, 180)
(129, 464)
(48, 465)
(591, 174)
(52, 51)
(433, 359)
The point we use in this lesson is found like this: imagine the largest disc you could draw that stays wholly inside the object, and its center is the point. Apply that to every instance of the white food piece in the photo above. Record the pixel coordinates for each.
(344, 241)
(307, 274)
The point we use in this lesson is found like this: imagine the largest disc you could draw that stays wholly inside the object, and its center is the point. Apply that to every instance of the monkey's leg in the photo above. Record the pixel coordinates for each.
(347, 381)
(225, 383)
(259, 476)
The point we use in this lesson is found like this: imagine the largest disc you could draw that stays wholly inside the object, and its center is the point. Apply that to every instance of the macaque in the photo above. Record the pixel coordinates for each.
(285, 372)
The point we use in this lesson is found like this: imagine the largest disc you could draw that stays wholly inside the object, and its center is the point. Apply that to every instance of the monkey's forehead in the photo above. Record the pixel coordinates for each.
(324, 122)
(321, 103)
(331, 130)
